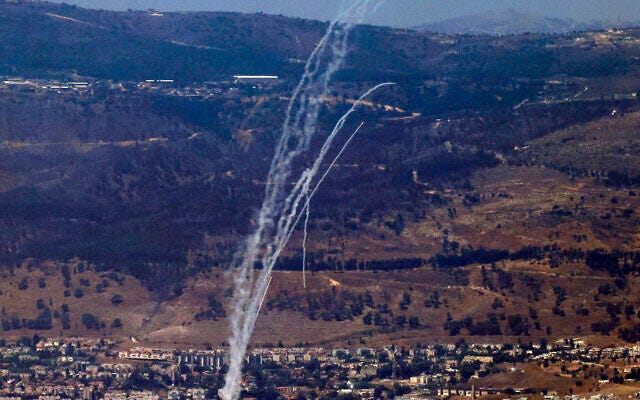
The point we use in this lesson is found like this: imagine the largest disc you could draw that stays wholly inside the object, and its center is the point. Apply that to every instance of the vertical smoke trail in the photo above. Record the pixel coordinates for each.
(280, 211)
(304, 242)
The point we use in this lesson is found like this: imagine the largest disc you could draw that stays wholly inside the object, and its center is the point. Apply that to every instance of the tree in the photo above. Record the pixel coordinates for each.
(454, 327)
(628, 310)
(64, 318)
(433, 301)
(379, 320)
(116, 299)
(406, 301)
(561, 294)
(518, 325)
(497, 304)
(90, 321)
(467, 370)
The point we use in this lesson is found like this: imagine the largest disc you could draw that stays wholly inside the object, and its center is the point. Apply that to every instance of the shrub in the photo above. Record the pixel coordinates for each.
(116, 299)
(90, 321)
(497, 304)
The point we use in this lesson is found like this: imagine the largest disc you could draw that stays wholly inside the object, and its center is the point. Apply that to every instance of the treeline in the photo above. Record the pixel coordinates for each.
(294, 263)
(469, 255)
(615, 262)
(621, 179)
(615, 178)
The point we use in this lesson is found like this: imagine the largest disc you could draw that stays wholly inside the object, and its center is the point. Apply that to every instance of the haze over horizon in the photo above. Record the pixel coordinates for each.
(398, 13)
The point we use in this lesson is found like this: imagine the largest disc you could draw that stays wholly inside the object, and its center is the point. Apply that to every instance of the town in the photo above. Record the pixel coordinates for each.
(92, 368)
(85, 86)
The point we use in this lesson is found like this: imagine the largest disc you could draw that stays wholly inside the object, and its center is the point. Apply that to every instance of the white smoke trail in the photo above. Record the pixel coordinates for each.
(280, 212)
(329, 140)
(304, 243)
(307, 205)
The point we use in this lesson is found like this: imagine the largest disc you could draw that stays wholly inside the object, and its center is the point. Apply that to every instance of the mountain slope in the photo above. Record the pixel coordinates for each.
(508, 302)
(476, 157)
(46, 38)
(510, 22)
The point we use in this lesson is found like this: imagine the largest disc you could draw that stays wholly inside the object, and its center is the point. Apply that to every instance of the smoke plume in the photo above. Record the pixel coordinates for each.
(282, 209)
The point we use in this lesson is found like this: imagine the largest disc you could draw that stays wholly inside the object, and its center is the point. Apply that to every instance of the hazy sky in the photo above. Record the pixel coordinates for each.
(393, 12)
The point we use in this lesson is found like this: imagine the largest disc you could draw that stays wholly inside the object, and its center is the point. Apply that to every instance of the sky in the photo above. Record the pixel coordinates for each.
(398, 13)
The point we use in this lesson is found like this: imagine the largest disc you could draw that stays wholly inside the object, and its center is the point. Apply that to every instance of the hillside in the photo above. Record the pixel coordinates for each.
(127, 147)
(500, 23)
(511, 22)
(132, 46)
(606, 148)
(507, 301)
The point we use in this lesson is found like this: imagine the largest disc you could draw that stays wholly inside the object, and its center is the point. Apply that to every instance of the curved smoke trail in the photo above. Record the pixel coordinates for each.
(281, 211)
(307, 205)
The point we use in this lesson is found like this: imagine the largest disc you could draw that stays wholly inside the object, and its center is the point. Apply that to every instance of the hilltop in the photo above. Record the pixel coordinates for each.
(511, 22)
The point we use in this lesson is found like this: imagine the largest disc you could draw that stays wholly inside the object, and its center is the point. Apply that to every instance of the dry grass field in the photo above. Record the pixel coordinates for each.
(462, 294)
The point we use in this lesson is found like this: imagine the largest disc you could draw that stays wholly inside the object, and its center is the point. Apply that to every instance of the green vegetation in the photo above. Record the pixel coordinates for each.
(116, 299)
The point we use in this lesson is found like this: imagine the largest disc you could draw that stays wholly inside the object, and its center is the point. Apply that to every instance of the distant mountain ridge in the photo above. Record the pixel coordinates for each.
(513, 22)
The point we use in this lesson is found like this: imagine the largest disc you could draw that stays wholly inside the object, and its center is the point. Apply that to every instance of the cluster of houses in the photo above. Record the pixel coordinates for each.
(210, 359)
(43, 85)
(169, 87)
(91, 369)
